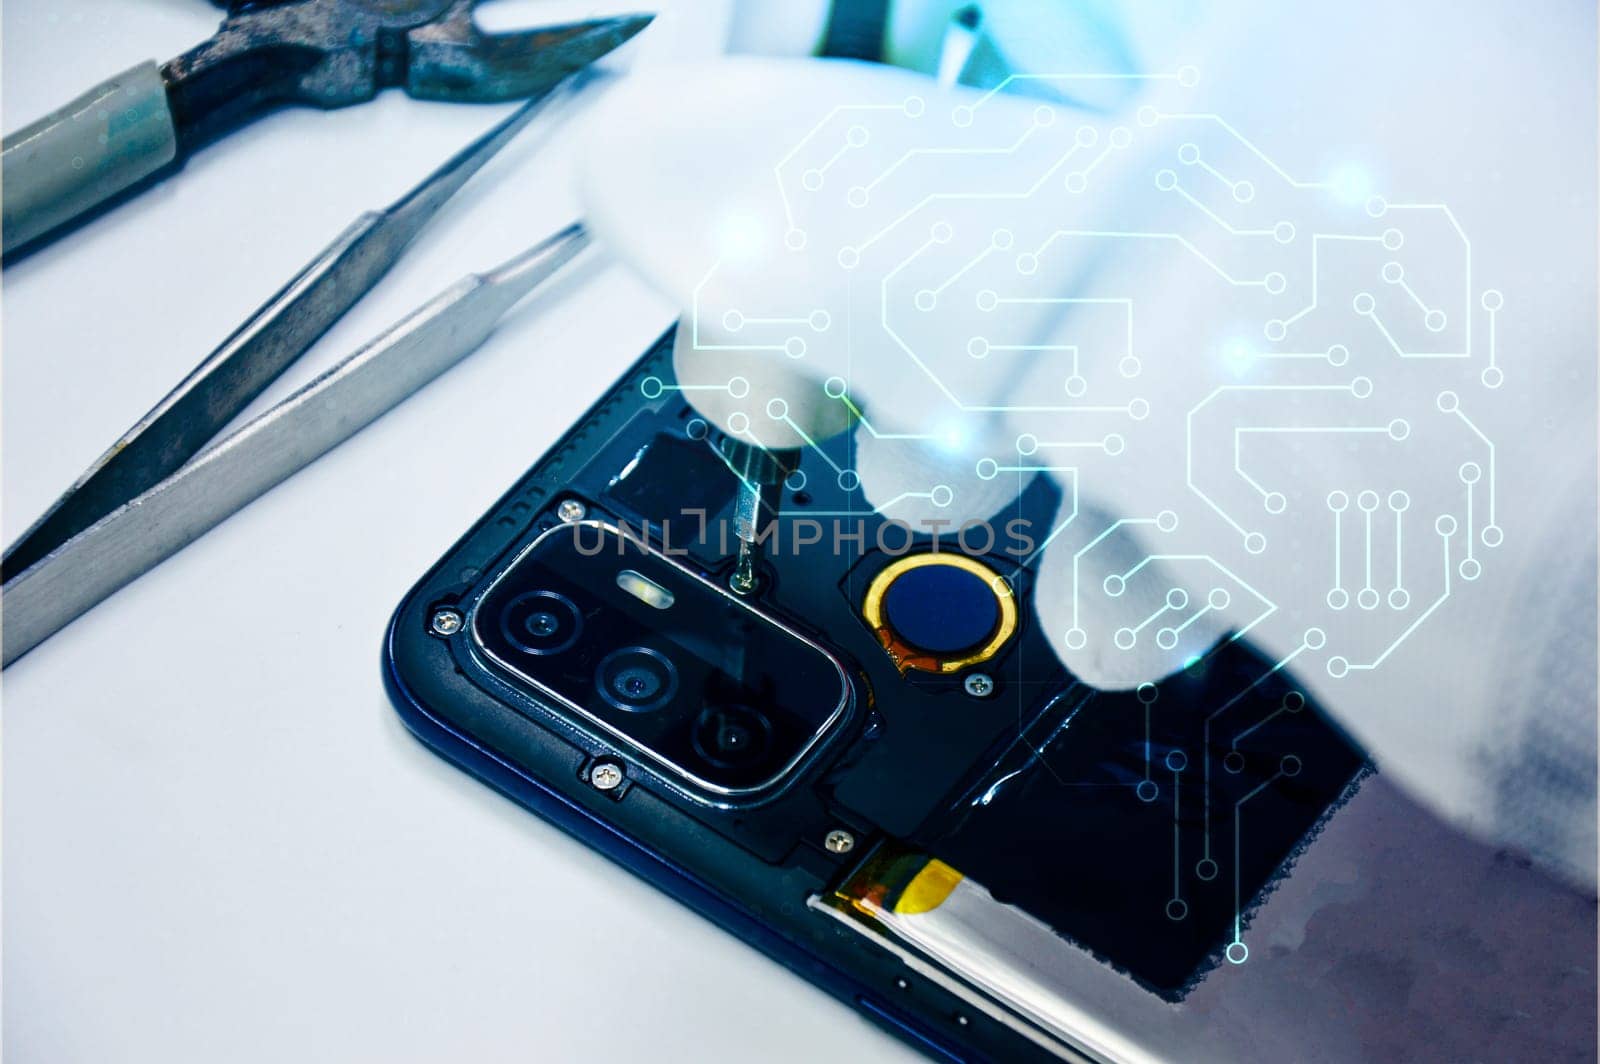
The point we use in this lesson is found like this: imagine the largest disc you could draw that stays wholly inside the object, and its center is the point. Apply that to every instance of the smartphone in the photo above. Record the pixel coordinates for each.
(872, 768)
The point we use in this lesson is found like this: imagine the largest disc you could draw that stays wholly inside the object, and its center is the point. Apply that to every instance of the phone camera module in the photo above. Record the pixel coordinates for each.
(637, 679)
(659, 661)
(733, 736)
(541, 623)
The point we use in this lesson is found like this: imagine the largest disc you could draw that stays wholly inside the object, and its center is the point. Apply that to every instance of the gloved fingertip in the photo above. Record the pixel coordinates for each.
(925, 485)
(1116, 615)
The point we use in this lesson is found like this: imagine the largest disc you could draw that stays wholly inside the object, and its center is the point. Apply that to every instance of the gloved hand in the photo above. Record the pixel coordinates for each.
(1300, 322)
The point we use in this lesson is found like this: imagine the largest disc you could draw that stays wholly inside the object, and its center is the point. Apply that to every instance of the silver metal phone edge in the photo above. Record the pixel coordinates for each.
(958, 987)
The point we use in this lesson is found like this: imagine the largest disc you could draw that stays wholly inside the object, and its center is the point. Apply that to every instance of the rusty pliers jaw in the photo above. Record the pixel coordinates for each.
(333, 53)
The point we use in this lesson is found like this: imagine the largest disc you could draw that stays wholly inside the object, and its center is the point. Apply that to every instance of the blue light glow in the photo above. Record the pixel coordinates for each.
(1351, 184)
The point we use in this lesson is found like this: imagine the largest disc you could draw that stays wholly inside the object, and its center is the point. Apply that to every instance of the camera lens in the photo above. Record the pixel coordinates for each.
(732, 736)
(541, 623)
(636, 679)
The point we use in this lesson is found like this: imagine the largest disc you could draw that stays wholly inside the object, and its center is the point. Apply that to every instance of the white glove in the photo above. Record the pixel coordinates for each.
(1277, 382)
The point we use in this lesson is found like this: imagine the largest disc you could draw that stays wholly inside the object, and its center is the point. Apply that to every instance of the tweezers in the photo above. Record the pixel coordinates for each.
(156, 490)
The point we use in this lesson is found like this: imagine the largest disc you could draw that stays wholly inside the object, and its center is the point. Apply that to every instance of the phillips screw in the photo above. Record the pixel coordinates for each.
(607, 776)
(978, 685)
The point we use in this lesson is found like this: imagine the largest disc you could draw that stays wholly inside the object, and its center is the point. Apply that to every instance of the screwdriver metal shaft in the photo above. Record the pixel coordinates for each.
(761, 474)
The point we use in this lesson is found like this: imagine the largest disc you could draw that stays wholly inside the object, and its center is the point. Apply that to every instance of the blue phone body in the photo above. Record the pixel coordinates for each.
(901, 769)
(411, 675)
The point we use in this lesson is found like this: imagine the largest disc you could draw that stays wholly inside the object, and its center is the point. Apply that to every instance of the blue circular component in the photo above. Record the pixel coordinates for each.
(941, 609)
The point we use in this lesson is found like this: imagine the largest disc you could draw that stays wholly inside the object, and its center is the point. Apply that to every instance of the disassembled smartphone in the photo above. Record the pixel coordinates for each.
(871, 766)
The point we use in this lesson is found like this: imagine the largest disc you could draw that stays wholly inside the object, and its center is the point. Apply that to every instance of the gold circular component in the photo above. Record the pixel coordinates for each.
(908, 655)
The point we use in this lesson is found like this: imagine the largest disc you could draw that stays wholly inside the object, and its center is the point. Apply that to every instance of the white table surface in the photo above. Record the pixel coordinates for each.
(220, 842)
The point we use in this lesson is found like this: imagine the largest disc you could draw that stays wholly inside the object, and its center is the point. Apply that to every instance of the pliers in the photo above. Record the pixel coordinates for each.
(267, 54)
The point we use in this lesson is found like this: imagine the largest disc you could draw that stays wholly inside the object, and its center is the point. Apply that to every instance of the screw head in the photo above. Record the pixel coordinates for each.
(571, 510)
(743, 579)
(446, 622)
(839, 841)
(606, 776)
(978, 685)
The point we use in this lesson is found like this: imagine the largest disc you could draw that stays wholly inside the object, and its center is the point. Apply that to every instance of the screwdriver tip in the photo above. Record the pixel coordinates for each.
(743, 580)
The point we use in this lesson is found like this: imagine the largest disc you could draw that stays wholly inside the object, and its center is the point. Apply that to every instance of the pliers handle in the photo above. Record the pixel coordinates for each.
(266, 54)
